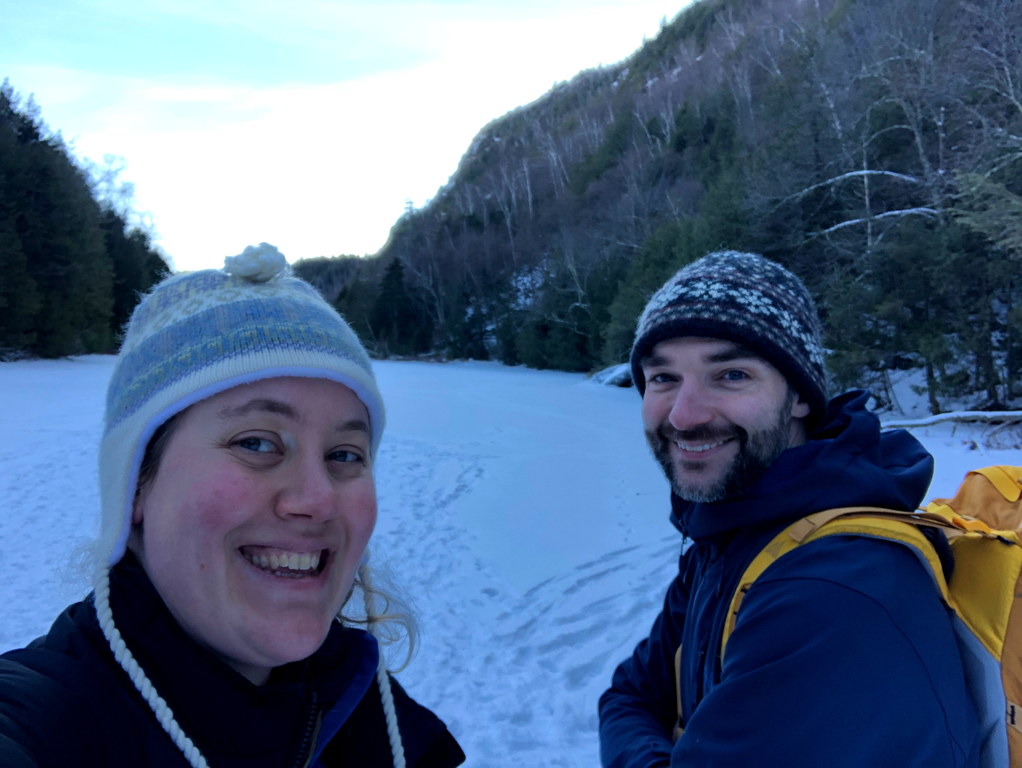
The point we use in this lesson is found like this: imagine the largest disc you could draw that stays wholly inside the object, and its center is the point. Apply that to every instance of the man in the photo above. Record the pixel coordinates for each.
(843, 653)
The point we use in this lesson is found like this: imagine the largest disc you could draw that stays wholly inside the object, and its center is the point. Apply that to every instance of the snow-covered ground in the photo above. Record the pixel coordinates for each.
(519, 511)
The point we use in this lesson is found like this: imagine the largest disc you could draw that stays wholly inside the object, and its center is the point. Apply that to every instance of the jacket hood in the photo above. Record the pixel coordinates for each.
(846, 461)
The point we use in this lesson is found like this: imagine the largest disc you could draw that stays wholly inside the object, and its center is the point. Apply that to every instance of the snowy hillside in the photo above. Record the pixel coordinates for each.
(519, 510)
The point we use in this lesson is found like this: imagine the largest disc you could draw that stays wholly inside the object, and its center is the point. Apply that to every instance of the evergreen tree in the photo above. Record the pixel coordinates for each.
(59, 231)
(467, 330)
(136, 266)
(60, 254)
(356, 302)
(20, 300)
(399, 321)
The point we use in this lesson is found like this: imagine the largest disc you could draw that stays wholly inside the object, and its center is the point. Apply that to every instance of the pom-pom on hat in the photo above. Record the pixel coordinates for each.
(200, 333)
(747, 299)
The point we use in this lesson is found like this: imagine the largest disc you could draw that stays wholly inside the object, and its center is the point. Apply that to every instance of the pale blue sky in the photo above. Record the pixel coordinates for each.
(305, 123)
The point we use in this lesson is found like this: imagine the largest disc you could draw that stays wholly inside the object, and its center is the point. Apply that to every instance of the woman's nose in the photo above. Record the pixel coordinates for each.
(308, 490)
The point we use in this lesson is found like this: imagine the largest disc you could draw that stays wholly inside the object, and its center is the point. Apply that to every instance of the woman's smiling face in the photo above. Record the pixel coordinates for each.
(259, 511)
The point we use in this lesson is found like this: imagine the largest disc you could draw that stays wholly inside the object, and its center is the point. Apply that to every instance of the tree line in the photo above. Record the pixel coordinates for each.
(871, 146)
(71, 264)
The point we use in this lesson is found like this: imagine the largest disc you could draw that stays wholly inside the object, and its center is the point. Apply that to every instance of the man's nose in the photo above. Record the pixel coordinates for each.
(691, 407)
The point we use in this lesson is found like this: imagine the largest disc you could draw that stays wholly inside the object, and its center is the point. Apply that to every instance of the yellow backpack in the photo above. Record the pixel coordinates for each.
(983, 523)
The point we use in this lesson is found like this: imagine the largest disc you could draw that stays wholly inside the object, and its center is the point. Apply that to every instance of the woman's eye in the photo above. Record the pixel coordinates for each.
(256, 444)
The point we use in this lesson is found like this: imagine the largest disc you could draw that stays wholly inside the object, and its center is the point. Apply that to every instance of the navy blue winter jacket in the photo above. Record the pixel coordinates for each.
(843, 654)
(64, 700)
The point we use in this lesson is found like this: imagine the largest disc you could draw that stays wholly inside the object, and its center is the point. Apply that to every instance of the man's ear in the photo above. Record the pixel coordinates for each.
(799, 408)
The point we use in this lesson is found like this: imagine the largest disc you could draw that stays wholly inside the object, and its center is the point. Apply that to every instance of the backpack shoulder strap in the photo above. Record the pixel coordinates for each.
(876, 522)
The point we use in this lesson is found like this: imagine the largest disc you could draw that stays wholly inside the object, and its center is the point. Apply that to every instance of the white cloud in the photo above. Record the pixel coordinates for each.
(319, 161)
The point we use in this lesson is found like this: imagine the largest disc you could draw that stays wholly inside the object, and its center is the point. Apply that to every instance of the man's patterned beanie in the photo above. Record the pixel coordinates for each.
(200, 333)
(747, 299)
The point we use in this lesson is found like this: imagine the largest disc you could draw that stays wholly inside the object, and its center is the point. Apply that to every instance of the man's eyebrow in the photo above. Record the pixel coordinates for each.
(353, 425)
(652, 361)
(732, 353)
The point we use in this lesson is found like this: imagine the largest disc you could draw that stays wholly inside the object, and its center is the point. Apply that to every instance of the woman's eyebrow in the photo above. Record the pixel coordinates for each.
(260, 404)
(266, 405)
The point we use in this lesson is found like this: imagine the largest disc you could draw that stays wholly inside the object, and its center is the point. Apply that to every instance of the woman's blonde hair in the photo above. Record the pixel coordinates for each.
(386, 613)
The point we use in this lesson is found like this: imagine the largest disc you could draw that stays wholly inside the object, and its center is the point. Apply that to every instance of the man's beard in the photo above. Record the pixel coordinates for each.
(757, 451)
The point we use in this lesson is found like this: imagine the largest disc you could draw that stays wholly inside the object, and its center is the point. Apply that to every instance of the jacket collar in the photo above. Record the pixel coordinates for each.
(228, 717)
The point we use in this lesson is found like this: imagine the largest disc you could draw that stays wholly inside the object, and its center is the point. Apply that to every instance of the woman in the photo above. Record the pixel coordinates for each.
(242, 420)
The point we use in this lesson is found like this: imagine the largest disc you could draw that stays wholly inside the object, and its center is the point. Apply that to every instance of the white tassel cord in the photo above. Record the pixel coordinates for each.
(163, 712)
(164, 715)
(382, 678)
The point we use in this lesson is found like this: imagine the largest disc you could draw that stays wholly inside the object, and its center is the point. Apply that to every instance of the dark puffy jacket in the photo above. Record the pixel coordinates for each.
(843, 654)
(65, 701)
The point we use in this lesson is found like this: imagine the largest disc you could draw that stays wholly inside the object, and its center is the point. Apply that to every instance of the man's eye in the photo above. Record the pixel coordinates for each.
(256, 444)
(345, 456)
(659, 378)
(735, 375)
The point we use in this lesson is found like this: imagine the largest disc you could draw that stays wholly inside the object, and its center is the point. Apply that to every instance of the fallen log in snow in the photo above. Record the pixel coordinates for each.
(991, 417)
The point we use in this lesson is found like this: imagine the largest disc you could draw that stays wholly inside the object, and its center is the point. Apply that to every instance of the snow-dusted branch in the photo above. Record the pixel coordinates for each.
(853, 174)
(993, 417)
(901, 212)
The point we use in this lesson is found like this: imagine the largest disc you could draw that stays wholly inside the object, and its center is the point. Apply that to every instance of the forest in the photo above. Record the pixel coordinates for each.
(71, 261)
(872, 146)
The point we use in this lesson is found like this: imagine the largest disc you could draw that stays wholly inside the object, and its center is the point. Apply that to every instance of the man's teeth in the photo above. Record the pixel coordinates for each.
(698, 448)
(292, 561)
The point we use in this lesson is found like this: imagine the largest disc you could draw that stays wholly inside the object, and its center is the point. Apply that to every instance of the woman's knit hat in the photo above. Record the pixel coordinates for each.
(200, 333)
(747, 299)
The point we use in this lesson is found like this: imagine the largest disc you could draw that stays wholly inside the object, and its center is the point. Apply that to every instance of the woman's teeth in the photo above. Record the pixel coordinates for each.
(280, 561)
